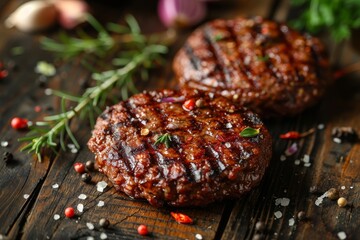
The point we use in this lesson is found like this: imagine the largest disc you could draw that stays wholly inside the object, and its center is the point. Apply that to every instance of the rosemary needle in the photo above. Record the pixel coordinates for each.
(53, 129)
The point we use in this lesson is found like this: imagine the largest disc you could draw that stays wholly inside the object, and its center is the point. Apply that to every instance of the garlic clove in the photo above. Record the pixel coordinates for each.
(33, 16)
(71, 12)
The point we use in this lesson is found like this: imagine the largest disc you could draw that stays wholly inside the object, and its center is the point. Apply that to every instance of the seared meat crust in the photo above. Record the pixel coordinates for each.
(207, 160)
(263, 65)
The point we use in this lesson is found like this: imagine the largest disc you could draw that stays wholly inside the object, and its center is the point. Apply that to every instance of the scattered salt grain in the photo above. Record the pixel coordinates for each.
(103, 236)
(74, 150)
(307, 164)
(80, 207)
(306, 158)
(351, 187)
(71, 145)
(282, 201)
(228, 125)
(282, 158)
(26, 196)
(54, 186)
(90, 238)
(100, 186)
(101, 203)
(56, 217)
(291, 222)
(321, 126)
(48, 91)
(297, 162)
(198, 236)
(90, 226)
(4, 143)
(278, 214)
(320, 199)
(82, 196)
(343, 187)
(337, 140)
(342, 235)
(227, 144)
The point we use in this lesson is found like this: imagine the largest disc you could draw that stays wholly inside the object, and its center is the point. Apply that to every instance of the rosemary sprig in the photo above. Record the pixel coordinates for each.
(165, 139)
(139, 57)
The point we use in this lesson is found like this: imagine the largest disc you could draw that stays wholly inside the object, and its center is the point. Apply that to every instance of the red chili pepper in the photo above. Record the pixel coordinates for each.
(143, 230)
(181, 218)
(3, 74)
(291, 135)
(189, 105)
(69, 212)
(296, 135)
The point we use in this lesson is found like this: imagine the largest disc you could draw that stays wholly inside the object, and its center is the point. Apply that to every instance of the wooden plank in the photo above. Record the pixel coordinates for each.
(332, 165)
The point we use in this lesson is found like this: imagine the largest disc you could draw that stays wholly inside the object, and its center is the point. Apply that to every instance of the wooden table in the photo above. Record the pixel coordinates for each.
(332, 164)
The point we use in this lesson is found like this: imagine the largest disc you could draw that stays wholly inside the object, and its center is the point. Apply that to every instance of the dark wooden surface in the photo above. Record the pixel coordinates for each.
(332, 165)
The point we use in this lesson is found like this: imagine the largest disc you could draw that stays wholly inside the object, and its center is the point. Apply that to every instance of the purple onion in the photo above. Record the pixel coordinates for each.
(291, 150)
(181, 13)
(173, 99)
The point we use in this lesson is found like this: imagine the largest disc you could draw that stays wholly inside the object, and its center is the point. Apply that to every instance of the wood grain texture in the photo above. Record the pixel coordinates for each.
(332, 164)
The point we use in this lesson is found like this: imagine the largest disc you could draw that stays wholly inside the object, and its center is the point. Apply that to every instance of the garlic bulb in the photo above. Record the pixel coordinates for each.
(71, 12)
(33, 16)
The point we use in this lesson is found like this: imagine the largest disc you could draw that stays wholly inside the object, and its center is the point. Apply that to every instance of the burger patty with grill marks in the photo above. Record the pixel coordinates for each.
(263, 65)
(180, 148)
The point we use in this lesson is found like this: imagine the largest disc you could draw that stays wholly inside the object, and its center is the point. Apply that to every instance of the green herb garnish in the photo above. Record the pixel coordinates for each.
(339, 17)
(250, 132)
(135, 58)
(263, 58)
(218, 37)
(165, 139)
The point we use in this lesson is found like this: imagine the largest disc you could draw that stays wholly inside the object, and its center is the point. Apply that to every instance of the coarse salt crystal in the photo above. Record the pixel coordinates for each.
(343, 187)
(320, 199)
(227, 144)
(26, 196)
(100, 186)
(321, 126)
(101, 203)
(80, 207)
(74, 150)
(55, 186)
(228, 125)
(90, 238)
(71, 145)
(291, 222)
(351, 187)
(4, 143)
(297, 162)
(56, 217)
(48, 91)
(307, 164)
(90, 226)
(282, 158)
(198, 236)
(306, 158)
(278, 214)
(82, 196)
(342, 235)
(337, 140)
(282, 201)
(103, 236)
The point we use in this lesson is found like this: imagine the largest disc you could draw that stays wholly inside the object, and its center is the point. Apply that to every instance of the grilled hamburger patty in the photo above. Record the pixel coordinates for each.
(265, 66)
(206, 159)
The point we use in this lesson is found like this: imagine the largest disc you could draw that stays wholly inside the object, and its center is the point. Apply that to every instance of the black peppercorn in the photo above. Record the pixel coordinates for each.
(104, 223)
(7, 157)
(89, 165)
(85, 177)
(260, 226)
(301, 215)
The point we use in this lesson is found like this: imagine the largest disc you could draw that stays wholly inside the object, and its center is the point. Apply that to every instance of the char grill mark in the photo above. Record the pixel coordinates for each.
(220, 56)
(195, 61)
